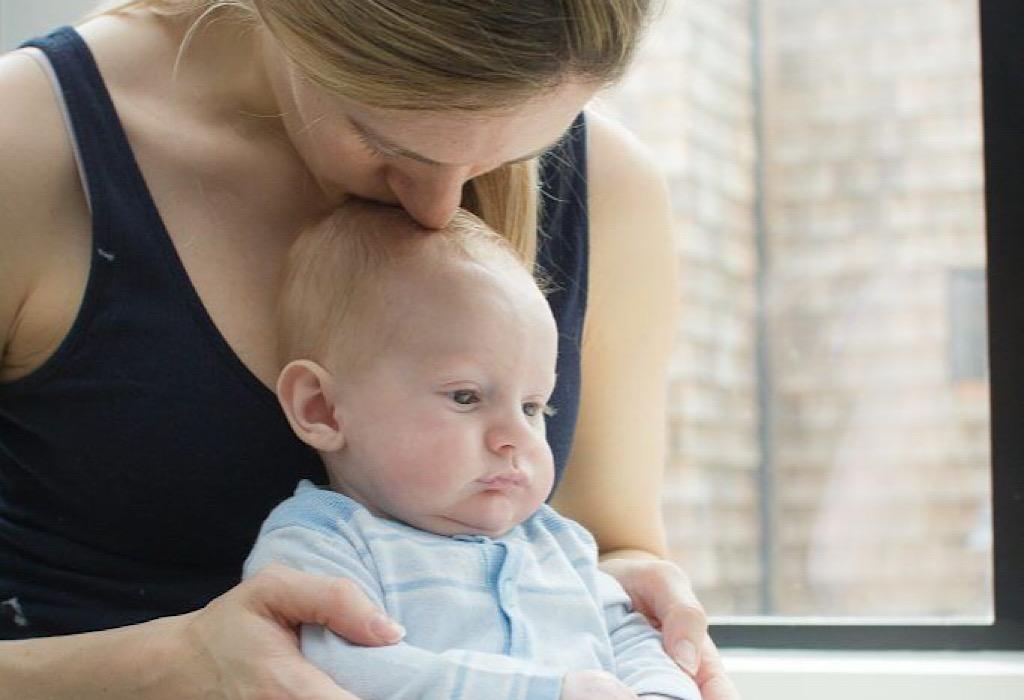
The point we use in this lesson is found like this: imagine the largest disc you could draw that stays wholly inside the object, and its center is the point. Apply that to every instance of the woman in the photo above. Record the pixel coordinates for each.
(138, 266)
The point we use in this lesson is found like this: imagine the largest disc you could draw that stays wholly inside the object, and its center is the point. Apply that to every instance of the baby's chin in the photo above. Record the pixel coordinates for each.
(488, 527)
(491, 516)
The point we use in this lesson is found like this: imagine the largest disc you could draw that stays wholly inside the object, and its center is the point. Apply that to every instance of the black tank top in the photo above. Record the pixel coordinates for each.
(138, 462)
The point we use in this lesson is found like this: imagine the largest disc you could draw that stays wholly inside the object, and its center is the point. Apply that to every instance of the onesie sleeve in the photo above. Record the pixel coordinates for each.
(640, 660)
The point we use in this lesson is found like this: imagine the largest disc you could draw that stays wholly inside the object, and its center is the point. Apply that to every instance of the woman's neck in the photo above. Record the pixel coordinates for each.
(230, 62)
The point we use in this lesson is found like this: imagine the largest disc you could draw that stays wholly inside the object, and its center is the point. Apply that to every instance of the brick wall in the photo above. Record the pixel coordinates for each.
(873, 196)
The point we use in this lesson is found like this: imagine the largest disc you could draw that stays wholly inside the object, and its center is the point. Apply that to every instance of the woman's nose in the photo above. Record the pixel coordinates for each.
(431, 199)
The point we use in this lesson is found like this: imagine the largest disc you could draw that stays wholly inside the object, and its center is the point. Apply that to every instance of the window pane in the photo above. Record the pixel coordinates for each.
(829, 420)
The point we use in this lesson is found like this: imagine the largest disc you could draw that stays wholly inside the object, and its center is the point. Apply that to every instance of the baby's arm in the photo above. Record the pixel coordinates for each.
(640, 660)
(406, 672)
(401, 671)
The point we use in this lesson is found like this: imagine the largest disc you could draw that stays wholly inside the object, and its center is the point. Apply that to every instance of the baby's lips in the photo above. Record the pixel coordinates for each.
(505, 479)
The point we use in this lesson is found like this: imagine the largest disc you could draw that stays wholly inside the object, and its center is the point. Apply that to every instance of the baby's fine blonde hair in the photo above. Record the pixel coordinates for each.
(333, 302)
(438, 56)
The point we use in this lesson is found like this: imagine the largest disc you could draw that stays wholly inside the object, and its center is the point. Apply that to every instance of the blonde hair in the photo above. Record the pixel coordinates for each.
(332, 306)
(442, 56)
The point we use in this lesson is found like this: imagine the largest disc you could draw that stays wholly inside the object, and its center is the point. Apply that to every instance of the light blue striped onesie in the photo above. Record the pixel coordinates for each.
(486, 618)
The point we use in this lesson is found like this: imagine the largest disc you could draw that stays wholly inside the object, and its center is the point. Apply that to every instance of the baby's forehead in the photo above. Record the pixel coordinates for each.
(432, 273)
(461, 288)
(478, 325)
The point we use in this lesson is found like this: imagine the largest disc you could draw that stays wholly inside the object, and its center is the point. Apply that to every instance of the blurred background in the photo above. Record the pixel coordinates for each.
(829, 418)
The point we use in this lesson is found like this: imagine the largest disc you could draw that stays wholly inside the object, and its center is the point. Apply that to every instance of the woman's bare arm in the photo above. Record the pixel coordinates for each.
(613, 482)
(130, 662)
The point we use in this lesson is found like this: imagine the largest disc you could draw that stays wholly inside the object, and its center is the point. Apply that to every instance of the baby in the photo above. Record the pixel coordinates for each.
(419, 365)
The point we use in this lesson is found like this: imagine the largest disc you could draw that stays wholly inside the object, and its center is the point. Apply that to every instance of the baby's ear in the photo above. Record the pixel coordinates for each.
(307, 394)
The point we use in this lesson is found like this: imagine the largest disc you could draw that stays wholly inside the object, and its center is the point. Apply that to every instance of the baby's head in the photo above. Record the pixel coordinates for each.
(419, 364)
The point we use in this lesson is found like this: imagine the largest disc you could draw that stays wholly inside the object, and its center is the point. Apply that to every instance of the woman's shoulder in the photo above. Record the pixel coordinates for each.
(38, 164)
(631, 234)
(619, 167)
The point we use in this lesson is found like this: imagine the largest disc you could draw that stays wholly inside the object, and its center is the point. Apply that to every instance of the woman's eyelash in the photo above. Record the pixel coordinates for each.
(369, 145)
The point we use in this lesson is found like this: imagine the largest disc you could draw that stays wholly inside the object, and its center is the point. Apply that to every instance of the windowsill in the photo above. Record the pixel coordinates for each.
(883, 675)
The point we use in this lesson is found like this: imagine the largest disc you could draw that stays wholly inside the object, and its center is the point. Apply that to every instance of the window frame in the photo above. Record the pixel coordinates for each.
(1002, 35)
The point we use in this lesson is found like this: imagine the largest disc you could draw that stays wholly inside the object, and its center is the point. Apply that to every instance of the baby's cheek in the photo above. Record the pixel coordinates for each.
(419, 491)
(422, 463)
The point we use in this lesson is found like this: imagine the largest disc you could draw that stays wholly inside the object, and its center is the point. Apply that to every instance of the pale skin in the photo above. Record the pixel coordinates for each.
(466, 387)
(217, 159)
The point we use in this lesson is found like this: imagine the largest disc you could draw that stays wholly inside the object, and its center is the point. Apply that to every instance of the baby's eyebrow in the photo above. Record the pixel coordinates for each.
(393, 149)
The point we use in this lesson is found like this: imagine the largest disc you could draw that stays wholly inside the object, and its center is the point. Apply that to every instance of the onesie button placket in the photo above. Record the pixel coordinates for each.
(508, 598)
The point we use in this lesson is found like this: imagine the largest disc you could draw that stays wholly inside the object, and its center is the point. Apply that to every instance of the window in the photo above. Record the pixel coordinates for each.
(968, 330)
(833, 460)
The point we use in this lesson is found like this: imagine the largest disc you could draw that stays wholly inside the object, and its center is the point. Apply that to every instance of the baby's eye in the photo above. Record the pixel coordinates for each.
(535, 408)
(464, 397)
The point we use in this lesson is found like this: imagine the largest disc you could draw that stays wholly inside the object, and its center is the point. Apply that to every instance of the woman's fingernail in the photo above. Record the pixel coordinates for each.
(686, 656)
(386, 629)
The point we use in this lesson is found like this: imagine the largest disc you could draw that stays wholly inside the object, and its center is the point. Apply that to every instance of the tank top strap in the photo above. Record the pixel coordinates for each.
(113, 182)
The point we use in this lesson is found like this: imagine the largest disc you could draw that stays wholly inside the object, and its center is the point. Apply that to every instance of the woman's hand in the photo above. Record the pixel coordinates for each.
(711, 678)
(662, 592)
(246, 643)
(242, 646)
